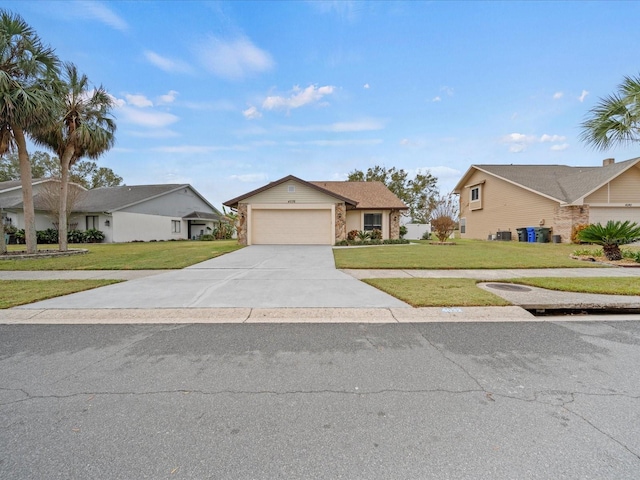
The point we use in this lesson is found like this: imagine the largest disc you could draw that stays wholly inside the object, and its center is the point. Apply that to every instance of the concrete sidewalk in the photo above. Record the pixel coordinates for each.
(522, 297)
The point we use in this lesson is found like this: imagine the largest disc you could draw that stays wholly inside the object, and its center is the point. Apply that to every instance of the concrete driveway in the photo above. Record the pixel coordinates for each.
(259, 276)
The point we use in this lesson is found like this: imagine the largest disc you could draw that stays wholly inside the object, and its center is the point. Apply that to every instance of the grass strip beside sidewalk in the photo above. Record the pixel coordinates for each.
(22, 292)
(464, 292)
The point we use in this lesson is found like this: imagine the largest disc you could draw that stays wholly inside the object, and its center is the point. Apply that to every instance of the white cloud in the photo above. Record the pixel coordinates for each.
(139, 101)
(366, 86)
(366, 125)
(298, 98)
(250, 177)
(559, 148)
(193, 149)
(162, 133)
(552, 138)
(98, 11)
(233, 59)
(518, 142)
(583, 95)
(166, 64)
(518, 138)
(169, 97)
(558, 95)
(335, 143)
(147, 118)
(252, 113)
(447, 90)
(436, 99)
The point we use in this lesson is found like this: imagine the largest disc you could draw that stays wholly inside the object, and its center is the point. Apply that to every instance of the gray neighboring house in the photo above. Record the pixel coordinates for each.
(124, 214)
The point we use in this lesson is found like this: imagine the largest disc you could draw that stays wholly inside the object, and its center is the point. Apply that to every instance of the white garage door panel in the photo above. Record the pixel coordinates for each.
(603, 214)
(307, 227)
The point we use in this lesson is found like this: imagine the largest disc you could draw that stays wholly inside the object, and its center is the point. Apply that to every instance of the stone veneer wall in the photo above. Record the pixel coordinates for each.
(341, 222)
(564, 218)
(242, 224)
(394, 224)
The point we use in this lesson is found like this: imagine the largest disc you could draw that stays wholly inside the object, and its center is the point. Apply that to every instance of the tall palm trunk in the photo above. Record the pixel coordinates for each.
(27, 191)
(65, 162)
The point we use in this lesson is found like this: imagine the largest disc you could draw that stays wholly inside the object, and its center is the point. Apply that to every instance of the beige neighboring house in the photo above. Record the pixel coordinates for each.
(497, 198)
(124, 214)
(294, 211)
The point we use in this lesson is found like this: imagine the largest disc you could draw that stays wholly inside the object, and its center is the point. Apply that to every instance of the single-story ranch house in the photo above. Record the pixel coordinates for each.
(294, 211)
(506, 197)
(123, 214)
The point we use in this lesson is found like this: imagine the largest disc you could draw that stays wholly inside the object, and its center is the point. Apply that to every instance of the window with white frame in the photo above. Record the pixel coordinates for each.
(372, 221)
(291, 188)
(463, 225)
(175, 226)
(92, 222)
(475, 194)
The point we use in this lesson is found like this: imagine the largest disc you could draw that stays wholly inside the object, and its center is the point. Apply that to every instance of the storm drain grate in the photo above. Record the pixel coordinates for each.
(510, 287)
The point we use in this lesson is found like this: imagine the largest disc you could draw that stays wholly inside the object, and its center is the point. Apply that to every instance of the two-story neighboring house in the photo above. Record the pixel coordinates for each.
(506, 197)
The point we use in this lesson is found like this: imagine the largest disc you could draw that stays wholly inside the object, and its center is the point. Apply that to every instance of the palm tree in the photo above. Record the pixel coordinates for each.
(611, 236)
(83, 128)
(28, 71)
(616, 118)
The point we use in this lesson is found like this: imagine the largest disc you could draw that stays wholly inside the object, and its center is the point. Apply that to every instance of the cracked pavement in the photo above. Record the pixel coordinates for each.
(422, 400)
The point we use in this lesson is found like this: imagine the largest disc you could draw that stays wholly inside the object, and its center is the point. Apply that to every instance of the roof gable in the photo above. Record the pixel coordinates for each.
(234, 201)
(112, 199)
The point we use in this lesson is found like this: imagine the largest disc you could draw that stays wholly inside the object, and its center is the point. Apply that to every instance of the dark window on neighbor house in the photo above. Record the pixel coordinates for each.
(463, 225)
(475, 194)
(92, 222)
(373, 221)
(175, 226)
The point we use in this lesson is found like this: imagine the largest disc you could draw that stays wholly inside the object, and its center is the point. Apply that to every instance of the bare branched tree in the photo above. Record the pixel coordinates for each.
(444, 217)
(48, 199)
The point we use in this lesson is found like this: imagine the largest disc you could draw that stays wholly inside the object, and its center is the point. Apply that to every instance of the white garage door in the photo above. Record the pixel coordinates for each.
(307, 227)
(603, 214)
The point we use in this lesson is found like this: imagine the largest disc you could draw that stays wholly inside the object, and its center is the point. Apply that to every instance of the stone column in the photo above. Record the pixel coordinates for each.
(394, 224)
(341, 222)
(242, 224)
(565, 218)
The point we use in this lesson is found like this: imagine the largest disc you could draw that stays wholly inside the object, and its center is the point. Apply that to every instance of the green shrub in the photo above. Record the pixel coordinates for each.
(207, 237)
(426, 236)
(93, 235)
(581, 252)
(403, 231)
(376, 234)
(75, 236)
(342, 243)
(47, 237)
(363, 236)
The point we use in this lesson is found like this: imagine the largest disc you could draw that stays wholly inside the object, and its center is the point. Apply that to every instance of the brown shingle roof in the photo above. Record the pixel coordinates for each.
(368, 195)
(561, 182)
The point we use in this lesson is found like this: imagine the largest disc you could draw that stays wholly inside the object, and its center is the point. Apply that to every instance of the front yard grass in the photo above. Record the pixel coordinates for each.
(21, 292)
(466, 254)
(126, 256)
(463, 292)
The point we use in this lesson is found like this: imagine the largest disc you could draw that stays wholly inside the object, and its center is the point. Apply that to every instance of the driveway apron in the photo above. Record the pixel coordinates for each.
(259, 276)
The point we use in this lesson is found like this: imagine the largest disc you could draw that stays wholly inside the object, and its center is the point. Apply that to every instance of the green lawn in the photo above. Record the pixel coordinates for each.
(463, 292)
(127, 256)
(466, 254)
(21, 292)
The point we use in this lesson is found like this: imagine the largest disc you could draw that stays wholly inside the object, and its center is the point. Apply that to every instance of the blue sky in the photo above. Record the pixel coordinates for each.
(228, 96)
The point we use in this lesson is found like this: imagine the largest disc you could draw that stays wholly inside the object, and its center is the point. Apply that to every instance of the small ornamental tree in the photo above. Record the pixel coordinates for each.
(611, 236)
(444, 217)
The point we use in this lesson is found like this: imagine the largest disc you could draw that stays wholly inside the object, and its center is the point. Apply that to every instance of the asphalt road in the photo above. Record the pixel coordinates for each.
(353, 401)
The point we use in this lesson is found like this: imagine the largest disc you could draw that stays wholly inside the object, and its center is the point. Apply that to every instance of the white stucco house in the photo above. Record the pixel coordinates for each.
(124, 214)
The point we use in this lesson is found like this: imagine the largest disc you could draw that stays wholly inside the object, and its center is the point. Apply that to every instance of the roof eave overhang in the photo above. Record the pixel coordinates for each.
(233, 203)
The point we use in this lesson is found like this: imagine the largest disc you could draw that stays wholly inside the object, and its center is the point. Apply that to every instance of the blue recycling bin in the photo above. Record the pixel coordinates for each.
(531, 234)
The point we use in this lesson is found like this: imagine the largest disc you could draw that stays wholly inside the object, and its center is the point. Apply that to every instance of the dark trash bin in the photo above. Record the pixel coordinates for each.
(531, 234)
(542, 234)
(522, 234)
